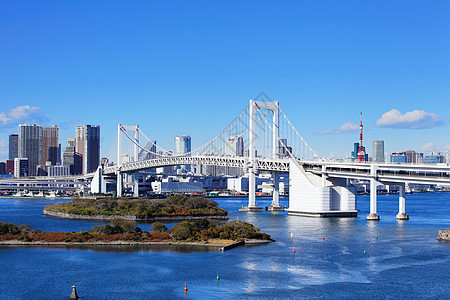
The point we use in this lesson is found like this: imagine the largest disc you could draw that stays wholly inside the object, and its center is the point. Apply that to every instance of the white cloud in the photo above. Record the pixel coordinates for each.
(348, 127)
(417, 119)
(24, 113)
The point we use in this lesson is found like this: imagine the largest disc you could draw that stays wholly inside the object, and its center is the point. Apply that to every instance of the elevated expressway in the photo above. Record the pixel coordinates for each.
(320, 173)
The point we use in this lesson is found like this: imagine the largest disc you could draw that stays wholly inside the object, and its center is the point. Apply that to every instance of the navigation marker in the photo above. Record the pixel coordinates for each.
(185, 287)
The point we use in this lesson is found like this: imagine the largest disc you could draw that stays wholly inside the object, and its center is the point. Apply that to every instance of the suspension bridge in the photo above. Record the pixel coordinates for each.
(260, 140)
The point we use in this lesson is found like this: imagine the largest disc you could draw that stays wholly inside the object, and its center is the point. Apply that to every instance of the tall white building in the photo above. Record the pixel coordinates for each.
(183, 146)
(234, 146)
(378, 151)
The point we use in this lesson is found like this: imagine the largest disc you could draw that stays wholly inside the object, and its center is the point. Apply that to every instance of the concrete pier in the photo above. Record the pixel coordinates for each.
(373, 216)
(401, 204)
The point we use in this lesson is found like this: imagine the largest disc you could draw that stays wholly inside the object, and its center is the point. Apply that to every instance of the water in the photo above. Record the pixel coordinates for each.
(406, 261)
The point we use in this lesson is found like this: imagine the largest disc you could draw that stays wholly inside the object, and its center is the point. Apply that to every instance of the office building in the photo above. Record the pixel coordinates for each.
(30, 146)
(21, 167)
(378, 151)
(58, 171)
(398, 157)
(71, 158)
(145, 155)
(10, 167)
(2, 168)
(13, 146)
(183, 146)
(50, 145)
(355, 151)
(87, 145)
(284, 149)
(234, 146)
(435, 158)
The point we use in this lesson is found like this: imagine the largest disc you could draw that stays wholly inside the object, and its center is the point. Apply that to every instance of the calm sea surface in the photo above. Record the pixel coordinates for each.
(405, 262)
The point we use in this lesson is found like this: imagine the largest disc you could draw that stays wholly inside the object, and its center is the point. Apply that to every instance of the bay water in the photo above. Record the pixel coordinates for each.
(345, 258)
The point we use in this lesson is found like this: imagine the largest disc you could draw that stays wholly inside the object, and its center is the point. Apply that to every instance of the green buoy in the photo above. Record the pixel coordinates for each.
(364, 251)
(218, 276)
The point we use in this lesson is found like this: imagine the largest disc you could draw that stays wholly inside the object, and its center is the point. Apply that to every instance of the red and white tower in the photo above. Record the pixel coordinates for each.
(362, 149)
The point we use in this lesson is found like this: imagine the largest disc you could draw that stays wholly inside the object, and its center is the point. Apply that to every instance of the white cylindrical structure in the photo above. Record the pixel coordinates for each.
(276, 129)
(276, 189)
(251, 156)
(402, 203)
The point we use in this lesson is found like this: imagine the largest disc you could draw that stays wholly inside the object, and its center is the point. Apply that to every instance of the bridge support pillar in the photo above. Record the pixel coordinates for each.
(373, 216)
(136, 184)
(276, 194)
(251, 193)
(119, 184)
(401, 203)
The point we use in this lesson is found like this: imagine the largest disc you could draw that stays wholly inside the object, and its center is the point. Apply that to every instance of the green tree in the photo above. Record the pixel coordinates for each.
(160, 227)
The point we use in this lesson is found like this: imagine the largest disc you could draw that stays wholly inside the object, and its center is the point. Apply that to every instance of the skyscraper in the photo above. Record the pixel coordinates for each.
(13, 146)
(183, 146)
(71, 158)
(234, 146)
(50, 145)
(378, 151)
(145, 155)
(30, 146)
(87, 144)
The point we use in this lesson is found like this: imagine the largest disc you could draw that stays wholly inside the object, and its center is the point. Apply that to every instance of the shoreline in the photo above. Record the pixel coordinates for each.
(220, 247)
(61, 215)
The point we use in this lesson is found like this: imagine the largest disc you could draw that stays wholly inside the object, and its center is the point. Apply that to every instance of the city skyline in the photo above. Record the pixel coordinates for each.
(175, 76)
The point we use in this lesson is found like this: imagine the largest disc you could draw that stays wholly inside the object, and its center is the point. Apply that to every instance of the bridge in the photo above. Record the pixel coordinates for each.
(262, 139)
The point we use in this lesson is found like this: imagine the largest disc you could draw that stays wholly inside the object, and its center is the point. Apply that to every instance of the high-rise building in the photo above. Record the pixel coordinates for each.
(378, 151)
(145, 155)
(87, 144)
(21, 167)
(355, 151)
(50, 145)
(234, 146)
(10, 167)
(284, 149)
(13, 146)
(183, 146)
(30, 146)
(71, 158)
(2, 168)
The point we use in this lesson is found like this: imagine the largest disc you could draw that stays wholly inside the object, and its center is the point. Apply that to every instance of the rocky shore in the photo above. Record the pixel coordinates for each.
(444, 235)
(171, 219)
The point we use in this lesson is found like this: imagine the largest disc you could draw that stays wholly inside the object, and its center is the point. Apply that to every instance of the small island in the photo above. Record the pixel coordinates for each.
(203, 232)
(172, 209)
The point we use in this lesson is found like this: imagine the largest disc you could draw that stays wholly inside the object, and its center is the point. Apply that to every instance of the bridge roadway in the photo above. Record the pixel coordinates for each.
(388, 173)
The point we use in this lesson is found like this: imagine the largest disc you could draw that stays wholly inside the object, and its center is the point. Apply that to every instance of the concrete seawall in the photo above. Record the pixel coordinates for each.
(62, 215)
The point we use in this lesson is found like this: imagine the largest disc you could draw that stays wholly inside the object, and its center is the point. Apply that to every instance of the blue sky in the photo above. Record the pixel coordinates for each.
(190, 67)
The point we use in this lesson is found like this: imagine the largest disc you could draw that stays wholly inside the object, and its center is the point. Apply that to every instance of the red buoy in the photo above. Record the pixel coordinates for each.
(185, 287)
(293, 250)
(323, 239)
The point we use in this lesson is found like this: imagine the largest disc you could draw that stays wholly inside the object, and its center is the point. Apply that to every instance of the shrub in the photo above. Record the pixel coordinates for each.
(160, 227)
